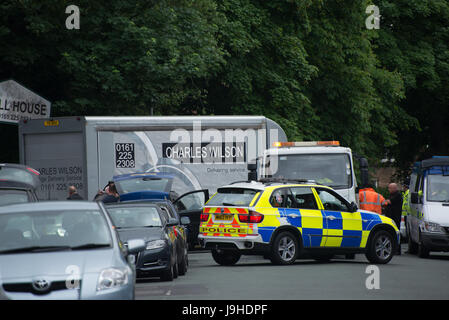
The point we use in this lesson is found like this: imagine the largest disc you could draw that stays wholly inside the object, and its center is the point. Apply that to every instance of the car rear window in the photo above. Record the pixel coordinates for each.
(16, 174)
(233, 197)
(13, 196)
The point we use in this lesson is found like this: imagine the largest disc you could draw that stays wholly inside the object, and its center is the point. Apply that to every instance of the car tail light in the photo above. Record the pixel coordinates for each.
(204, 217)
(251, 217)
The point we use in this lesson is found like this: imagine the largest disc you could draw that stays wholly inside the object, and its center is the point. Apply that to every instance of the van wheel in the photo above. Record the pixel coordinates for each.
(285, 249)
(412, 246)
(381, 248)
(423, 251)
(226, 257)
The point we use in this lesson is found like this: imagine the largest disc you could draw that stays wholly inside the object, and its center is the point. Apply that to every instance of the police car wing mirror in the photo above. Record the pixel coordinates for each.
(353, 207)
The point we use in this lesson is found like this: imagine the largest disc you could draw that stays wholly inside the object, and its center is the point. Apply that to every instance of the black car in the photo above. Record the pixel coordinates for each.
(149, 222)
(18, 184)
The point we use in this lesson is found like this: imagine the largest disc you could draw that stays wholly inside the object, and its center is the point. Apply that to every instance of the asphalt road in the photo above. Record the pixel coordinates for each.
(253, 278)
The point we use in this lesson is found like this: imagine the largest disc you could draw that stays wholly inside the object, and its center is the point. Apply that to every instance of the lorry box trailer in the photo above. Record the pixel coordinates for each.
(202, 152)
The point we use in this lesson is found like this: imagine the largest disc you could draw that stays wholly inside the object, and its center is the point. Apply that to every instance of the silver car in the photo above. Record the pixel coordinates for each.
(63, 250)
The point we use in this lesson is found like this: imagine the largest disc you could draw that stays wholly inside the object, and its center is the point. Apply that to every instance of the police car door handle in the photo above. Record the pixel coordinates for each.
(331, 217)
(293, 215)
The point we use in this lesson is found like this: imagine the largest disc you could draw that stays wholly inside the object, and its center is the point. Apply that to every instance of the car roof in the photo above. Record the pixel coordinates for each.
(258, 185)
(49, 206)
(34, 174)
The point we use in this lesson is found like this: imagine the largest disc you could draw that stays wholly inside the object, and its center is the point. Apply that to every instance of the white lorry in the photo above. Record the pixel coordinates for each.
(324, 162)
(201, 152)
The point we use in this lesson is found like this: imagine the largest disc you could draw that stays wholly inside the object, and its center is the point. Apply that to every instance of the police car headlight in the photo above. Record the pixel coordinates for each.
(432, 227)
(112, 278)
(156, 244)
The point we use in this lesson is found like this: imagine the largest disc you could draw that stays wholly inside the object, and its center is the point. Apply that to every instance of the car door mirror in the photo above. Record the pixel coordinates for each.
(185, 221)
(136, 246)
(353, 207)
(172, 222)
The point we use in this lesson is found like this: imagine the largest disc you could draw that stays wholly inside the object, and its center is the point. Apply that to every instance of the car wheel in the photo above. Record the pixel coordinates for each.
(412, 246)
(182, 267)
(322, 257)
(381, 248)
(285, 248)
(175, 268)
(226, 257)
(167, 275)
(423, 251)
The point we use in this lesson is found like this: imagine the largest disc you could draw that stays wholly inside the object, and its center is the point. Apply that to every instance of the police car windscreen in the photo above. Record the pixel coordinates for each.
(143, 184)
(10, 196)
(438, 188)
(232, 197)
(333, 170)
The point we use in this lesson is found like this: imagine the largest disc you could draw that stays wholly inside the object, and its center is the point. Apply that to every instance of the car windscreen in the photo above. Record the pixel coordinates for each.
(438, 188)
(233, 197)
(17, 174)
(52, 230)
(333, 170)
(135, 217)
(143, 184)
(10, 196)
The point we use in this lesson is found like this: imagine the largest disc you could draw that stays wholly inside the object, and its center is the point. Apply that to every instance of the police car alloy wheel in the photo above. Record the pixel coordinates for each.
(226, 257)
(285, 249)
(381, 248)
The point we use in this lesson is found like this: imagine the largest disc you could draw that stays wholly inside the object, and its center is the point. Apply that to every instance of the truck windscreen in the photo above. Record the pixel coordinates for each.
(333, 170)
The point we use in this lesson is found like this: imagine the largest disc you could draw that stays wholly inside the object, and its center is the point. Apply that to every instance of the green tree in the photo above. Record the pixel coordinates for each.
(414, 41)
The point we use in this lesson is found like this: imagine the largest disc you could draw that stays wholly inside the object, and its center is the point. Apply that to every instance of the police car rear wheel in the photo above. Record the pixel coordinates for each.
(226, 257)
(285, 249)
(381, 248)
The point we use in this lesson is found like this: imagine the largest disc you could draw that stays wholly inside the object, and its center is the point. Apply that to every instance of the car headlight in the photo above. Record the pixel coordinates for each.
(112, 278)
(432, 227)
(156, 244)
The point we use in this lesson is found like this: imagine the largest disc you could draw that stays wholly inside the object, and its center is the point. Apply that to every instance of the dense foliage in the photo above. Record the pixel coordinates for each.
(310, 65)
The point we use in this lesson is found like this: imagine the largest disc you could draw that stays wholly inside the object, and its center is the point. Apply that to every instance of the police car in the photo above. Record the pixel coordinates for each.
(281, 220)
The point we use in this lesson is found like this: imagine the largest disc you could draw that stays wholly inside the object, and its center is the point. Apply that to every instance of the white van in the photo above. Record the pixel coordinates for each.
(428, 219)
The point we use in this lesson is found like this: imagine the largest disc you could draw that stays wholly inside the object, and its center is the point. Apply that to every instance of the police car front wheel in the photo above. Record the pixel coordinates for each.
(381, 248)
(285, 249)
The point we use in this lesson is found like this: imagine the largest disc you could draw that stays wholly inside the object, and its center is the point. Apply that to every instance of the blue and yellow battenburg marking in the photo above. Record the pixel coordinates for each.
(319, 228)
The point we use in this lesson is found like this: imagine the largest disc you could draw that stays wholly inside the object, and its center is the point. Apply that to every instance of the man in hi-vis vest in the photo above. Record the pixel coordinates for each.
(370, 200)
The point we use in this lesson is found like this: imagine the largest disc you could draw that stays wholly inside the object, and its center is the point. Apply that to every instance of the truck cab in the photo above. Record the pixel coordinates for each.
(324, 162)
(428, 218)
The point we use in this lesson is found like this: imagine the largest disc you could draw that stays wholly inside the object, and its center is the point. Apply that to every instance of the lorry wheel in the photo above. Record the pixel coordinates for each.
(423, 251)
(285, 249)
(226, 257)
(381, 248)
(412, 246)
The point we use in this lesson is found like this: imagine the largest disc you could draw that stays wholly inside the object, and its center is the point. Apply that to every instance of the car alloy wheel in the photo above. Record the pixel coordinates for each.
(287, 248)
(384, 247)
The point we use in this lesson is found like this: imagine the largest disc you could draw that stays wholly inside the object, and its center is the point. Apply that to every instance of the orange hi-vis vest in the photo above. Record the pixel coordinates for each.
(371, 200)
